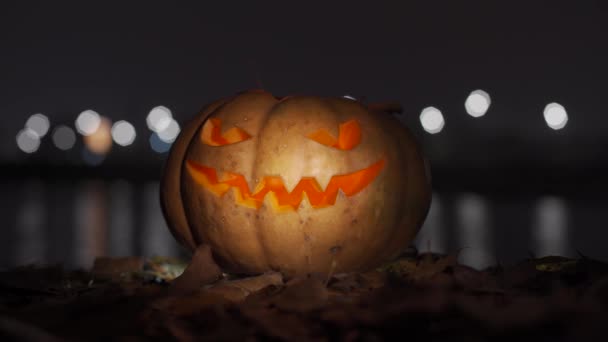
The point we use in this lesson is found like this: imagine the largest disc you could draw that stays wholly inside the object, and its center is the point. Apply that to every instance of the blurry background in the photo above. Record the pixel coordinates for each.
(508, 101)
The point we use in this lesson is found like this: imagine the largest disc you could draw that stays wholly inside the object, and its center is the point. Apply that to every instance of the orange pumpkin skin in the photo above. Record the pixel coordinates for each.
(249, 234)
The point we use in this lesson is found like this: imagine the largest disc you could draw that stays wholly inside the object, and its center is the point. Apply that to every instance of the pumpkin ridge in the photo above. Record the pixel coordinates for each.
(392, 238)
(194, 232)
(171, 182)
(259, 234)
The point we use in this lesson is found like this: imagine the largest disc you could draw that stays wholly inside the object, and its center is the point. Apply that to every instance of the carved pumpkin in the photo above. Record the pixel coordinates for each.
(298, 185)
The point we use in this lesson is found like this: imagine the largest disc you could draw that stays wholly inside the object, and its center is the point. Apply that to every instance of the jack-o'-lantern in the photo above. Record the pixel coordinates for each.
(298, 184)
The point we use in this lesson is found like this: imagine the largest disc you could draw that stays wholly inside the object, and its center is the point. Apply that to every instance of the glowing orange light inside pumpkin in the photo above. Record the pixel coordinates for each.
(349, 136)
(212, 134)
(281, 199)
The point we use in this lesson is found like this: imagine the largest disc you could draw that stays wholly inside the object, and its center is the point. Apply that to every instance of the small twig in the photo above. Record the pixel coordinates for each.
(581, 255)
(332, 268)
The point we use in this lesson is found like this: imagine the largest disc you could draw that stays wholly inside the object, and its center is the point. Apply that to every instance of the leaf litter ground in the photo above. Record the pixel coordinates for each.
(418, 295)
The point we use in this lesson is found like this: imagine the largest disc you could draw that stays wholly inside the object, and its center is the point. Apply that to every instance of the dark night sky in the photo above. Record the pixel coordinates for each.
(121, 60)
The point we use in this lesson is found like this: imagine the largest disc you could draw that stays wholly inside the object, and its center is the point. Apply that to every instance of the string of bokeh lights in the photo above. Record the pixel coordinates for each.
(477, 104)
(99, 133)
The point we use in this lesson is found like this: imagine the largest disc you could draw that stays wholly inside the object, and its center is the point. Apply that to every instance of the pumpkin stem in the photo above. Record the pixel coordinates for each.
(387, 107)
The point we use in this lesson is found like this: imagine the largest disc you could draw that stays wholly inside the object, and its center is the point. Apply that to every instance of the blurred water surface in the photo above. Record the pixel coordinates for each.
(74, 222)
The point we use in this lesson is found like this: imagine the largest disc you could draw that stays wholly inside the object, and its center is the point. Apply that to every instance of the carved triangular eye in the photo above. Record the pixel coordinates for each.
(349, 136)
(212, 134)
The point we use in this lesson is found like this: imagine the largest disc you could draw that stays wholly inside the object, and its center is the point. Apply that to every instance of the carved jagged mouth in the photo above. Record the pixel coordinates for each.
(281, 199)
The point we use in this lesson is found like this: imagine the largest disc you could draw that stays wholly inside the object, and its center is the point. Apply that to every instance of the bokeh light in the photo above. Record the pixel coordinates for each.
(555, 115)
(64, 137)
(100, 141)
(159, 119)
(432, 120)
(349, 97)
(170, 132)
(28, 141)
(38, 123)
(88, 122)
(477, 103)
(158, 145)
(123, 133)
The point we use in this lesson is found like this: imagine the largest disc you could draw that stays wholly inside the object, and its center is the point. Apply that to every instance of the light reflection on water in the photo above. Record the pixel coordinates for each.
(474, 231)
(550, 230)
(433, 237)
(155, 233)
(121, 237)
(30, 219)
(91, 223)
(73, 223)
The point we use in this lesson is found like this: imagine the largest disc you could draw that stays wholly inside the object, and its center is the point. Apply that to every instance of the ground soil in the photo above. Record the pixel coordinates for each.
(418, 296)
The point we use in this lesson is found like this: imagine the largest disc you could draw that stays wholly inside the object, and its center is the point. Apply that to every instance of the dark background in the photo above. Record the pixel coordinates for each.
(506, 185)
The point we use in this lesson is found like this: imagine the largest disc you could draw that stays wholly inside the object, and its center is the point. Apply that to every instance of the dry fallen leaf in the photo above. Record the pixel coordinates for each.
(302, 295)
(186, 305)
(355, 283)
(554, 264)
(116, 269)
(202, 270)
(425, 266)
(35, 280)
(438, 299)
(14, 330)
(163, 269)
(237, 290)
